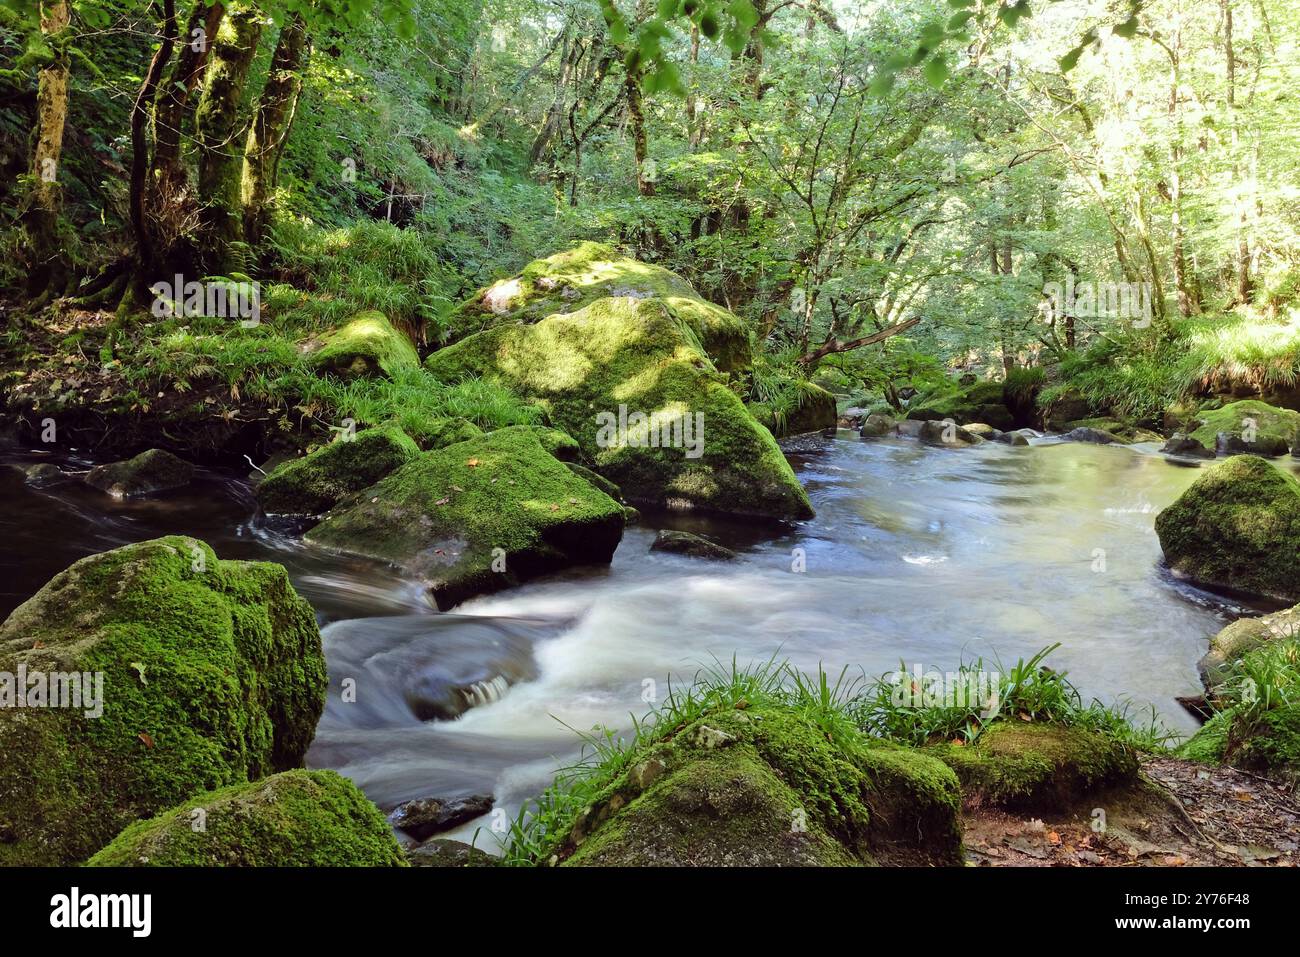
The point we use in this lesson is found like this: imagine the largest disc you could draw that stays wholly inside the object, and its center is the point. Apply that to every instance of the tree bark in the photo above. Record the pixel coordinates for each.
(270, 129)
(42, 214)
(139, 141)
(219, 126)
(169, 115)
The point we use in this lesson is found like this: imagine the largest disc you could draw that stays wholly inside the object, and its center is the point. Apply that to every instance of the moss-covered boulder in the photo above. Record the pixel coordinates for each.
(1242, 637)
(294, 819)
(438, 431)
(628, 380)
(212, 674)
(367, 345)
(1118, 430)
(981, 401)
(765, 786)
(1062, 405)
(1237, 527)
(321, 479)
(478, 516)
(812, 409)
(1248, 427)
(571, 280)
(153, 471)
(1037, 765)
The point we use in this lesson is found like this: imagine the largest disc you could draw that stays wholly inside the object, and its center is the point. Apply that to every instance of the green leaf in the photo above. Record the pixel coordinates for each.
(882, 84)
(935, 71)
(959, 20)
(961, 4)
(1071, 59)
(1128, 28)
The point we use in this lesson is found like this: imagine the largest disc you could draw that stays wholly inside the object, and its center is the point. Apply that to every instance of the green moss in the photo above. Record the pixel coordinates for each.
(1037, 765)
(1237, 527)
(437, 432)
(560, 444)
(1208, 744)
(573, 279)
(367, 345)
(318, 481)
(599, 481)
(213, 675)
(982, 401)
(766, 785)
(634, 354)
(726, 808)
(294, 819)
(1270, 423)
(478, 516)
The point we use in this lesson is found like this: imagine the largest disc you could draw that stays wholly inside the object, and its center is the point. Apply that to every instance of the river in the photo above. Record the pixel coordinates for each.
(917, 555)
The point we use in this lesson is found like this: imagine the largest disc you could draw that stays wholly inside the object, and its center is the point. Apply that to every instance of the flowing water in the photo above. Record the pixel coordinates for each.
(918, 555)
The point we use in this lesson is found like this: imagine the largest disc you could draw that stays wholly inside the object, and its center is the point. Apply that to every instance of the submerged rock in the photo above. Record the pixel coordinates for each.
(1186, 446)
(440, 852)
(1016, 438)
(625, 377)
(367, 345)
(318, 481)
(425, 817)
(948, 434)
(294, 819)
(1248, 427)
(685, 543)
(877, 425)
(154, 471)
(1094, 436)
(1237, 527)
(212, 674)
(478, 516)
(42, 474)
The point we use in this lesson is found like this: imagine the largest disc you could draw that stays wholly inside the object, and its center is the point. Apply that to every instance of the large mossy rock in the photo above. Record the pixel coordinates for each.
(569, 281)
(294, 819)
(367, 345)
(1237, 527)
(982, 401)
(478, 516)
(1248, 427)
(213, 674)
(597, 369)
(1037, 765)
(321, 479)
(764, 787)
(156, 470)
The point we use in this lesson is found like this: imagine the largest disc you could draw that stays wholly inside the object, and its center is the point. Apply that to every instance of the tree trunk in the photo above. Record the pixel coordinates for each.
(169, 115)
(640, 145)
(42, 215)
(219, 126)
(140, 145)
(270, 129)
(1242, 265)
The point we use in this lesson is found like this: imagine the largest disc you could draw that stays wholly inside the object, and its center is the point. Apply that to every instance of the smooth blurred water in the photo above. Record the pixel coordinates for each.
(917, 555)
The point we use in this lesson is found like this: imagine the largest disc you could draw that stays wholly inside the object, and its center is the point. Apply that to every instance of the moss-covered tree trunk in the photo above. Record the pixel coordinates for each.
(219, 124)
(170, 113)
(42, 213)
(146, 251)
(270, 129)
